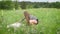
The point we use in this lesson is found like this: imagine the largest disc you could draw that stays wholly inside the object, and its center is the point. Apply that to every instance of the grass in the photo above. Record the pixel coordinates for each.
(49, 21)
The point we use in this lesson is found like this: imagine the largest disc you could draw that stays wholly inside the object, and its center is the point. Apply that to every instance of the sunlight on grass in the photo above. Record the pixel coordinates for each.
(49, 21)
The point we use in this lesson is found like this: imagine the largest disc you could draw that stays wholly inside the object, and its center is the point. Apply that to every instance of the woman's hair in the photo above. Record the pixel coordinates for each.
(26, 14)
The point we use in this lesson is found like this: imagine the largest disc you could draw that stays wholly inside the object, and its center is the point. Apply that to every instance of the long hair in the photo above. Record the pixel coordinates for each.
(26, 14)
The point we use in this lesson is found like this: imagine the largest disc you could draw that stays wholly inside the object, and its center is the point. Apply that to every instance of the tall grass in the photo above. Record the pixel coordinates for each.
(49, 21)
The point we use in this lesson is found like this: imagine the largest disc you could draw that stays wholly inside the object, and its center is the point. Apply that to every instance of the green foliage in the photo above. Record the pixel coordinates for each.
(49, 21)
(23, 5)
(6, 4)
(26, 5)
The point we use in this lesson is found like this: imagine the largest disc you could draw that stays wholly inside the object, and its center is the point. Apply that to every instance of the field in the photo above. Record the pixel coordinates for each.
(49, 21)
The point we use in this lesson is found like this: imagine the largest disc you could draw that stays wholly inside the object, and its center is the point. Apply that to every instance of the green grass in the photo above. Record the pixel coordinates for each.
(49, 21)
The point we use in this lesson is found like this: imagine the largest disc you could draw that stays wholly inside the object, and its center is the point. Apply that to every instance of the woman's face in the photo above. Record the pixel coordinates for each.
(33, 21)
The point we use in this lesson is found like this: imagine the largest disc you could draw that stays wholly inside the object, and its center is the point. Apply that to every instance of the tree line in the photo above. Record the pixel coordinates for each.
(27, 4)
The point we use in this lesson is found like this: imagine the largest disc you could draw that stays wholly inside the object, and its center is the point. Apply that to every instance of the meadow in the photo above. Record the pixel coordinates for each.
(49, 21)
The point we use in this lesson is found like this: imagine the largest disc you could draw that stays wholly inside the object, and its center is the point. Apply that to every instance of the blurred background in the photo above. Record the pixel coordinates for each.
(27, 4)
(47, 11)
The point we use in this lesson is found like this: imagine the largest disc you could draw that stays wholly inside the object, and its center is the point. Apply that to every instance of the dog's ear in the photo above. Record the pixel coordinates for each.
(26, 14)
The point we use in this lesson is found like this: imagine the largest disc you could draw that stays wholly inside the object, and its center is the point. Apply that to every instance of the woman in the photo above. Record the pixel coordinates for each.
(30, 18)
